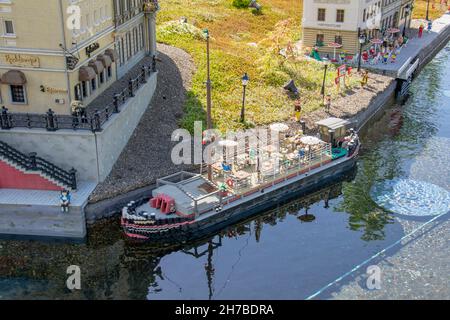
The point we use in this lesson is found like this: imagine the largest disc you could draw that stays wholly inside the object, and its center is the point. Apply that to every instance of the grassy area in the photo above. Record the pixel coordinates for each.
(435, 9)
(242, 41)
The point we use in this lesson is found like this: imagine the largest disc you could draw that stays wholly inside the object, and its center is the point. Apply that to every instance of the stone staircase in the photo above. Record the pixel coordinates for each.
(32, 164)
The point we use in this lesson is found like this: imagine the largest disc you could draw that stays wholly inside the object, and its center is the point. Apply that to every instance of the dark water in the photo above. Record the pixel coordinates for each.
(275, 255)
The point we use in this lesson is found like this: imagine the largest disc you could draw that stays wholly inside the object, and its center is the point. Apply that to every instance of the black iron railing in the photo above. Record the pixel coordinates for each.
(32, 162)
(92, 120)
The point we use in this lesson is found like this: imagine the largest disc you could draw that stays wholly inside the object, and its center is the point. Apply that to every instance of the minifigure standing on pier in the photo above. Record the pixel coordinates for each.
(298, 109)
(65, 199)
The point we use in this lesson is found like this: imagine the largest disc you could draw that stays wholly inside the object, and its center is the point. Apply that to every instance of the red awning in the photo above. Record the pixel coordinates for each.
(86, 74)
(112, 54)
(14, 78)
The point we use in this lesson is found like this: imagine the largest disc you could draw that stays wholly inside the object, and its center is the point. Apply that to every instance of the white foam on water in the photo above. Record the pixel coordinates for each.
(411, 197)
(432, 163)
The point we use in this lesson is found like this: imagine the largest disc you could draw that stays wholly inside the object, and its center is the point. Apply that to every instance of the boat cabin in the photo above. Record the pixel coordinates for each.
(333, 129)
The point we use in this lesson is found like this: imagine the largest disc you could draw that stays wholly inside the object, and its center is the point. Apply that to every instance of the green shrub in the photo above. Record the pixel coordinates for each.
(241, 3)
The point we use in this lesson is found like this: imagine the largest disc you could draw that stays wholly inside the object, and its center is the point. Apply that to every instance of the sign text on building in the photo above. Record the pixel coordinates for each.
(21, 60)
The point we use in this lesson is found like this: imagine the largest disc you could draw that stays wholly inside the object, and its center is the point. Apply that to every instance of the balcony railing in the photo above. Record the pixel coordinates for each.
(93, 120)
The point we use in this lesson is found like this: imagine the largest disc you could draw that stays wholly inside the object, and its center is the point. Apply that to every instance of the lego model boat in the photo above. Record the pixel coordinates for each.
(185, 205)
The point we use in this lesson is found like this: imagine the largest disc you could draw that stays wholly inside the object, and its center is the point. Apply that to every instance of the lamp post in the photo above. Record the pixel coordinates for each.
(428, 9)
(208, 94)
(362, 40)
(406, 20)
(245, 80)
(208, 83)
(322, 92)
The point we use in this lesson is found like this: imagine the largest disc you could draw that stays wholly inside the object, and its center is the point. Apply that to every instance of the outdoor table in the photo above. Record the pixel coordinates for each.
(270, 149)
(217, 169)
(268, 168)
(241, 178)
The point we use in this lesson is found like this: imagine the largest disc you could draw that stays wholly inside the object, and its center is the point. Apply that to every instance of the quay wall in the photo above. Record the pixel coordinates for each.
(429, 52)
(92, 154)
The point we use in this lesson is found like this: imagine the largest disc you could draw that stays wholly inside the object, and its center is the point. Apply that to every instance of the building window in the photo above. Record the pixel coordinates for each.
(340, 15)
(84, 89)
(109, 70)
(136, 40)
(395, 19)
(102, 77)
(94, 84)
(18, 94)
(78, 95)
(319, 39)
(338, 39)
(364, 15)
(9, 27)
(122, 51)
(321, 14)
(129, 54)
(141, 36)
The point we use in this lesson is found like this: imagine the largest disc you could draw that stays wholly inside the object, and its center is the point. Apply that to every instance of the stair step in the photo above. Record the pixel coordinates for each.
(23, 169)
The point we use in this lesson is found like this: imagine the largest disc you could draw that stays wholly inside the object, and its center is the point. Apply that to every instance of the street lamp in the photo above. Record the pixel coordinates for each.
(322, 92)
(362, 40)
(208, 82)
(208, 94)
(245, 80)
(428, 9)
(406, 20)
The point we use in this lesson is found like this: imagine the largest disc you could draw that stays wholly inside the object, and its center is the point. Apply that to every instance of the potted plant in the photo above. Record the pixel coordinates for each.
(151, 6)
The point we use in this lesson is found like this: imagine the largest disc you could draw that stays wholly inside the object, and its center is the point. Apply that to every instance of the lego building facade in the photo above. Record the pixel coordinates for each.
(49, 60)
(339, 21)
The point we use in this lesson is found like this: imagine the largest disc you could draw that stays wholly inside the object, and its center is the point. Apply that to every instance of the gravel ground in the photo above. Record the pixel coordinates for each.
(420, 269)
(147, 155)
(357, 100)
(107, 97)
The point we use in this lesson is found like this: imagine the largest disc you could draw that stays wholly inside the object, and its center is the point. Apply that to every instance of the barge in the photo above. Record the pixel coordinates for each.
(187, 206)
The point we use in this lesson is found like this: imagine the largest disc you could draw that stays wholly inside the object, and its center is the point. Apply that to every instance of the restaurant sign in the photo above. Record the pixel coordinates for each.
(21, 60)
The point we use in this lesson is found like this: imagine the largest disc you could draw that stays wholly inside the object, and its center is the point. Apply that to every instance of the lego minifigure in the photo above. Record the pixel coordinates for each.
(65, 199)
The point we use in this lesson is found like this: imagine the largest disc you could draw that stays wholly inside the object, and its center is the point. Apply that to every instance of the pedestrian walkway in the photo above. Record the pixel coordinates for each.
(414, 46)
(45, 198)
(38, 213)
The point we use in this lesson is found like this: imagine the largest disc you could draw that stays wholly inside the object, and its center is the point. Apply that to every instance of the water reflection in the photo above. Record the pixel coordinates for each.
(114, 268)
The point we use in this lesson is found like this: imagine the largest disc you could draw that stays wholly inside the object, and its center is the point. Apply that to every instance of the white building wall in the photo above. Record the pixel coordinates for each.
(353, 17)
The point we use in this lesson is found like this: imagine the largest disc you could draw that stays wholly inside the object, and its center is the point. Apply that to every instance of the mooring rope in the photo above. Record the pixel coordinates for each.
(374, 256)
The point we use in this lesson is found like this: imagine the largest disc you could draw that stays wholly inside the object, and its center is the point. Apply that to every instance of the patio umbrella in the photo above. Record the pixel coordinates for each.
(393, 30)
(334, 45)
(280, 127)
(376, 42)
(310, 141)
(227, 144)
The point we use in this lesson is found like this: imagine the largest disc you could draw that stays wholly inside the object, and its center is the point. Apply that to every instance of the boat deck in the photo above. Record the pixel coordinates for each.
(190, 195)
(246, 178)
